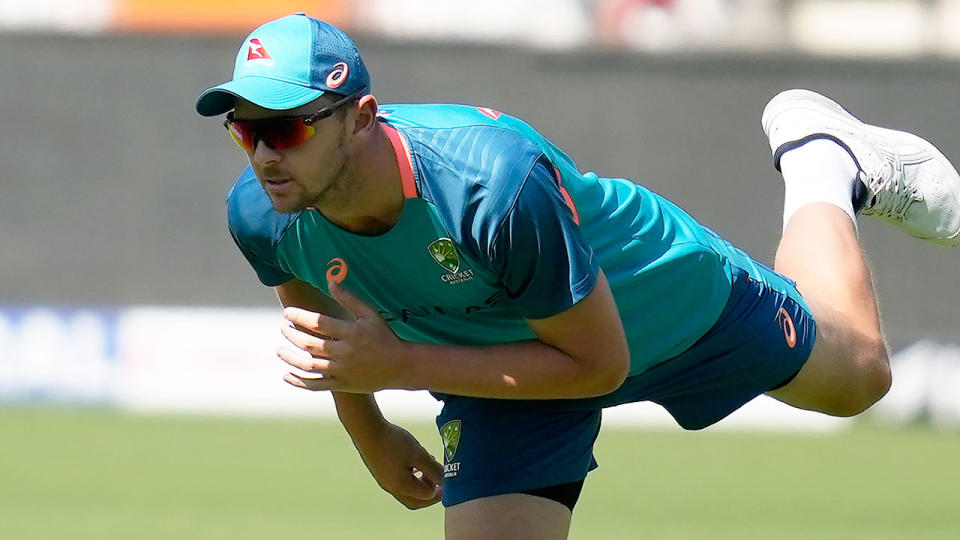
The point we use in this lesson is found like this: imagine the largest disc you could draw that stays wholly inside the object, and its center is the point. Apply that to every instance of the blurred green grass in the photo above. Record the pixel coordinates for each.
(102, 475)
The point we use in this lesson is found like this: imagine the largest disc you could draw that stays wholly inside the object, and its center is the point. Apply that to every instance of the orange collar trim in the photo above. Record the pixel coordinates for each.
(404, 160)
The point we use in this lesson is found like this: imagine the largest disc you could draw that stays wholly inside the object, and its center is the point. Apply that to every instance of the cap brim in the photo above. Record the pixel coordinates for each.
(261, 91)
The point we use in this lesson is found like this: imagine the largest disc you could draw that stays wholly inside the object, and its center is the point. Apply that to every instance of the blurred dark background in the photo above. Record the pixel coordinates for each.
(112, 187)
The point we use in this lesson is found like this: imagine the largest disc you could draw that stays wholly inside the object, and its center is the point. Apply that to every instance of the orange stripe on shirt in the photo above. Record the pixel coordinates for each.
(566, 197)
(404, 160)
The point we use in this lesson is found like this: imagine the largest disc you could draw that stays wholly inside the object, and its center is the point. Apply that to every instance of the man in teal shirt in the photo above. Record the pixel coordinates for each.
(454, 249)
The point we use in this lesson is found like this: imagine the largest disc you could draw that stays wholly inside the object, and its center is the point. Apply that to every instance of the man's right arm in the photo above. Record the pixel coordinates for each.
(390, 453)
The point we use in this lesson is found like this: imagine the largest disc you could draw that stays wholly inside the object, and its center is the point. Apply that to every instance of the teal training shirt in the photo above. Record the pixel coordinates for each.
(499, 226)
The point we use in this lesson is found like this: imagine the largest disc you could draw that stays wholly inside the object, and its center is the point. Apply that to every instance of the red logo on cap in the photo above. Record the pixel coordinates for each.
(338, 76)
(257, 52)
(490, 112)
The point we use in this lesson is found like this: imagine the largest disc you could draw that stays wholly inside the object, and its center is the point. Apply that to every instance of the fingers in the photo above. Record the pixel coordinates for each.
(421, 486)
(310, 344)
(415, 504)
(431, 469)
(303, 361)
(307, 383)
(427, 473)
(317, 323)
(431, 487)
(419, 491)
(350, 301)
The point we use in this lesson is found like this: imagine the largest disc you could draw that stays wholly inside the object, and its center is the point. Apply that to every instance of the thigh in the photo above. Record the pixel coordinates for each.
(497, 447)
(507, 517)
(763, 337)
(847, 371)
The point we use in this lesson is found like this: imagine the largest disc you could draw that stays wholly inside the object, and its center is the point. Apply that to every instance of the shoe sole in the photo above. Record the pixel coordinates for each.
(812, 101)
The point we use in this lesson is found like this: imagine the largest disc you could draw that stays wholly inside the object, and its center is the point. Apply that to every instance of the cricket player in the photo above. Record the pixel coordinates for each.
(454, 249)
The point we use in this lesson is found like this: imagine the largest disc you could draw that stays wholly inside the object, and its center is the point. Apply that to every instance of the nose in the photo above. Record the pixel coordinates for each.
(264, 155)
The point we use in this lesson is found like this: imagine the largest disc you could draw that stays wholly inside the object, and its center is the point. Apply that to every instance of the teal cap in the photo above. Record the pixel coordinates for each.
(287, 63)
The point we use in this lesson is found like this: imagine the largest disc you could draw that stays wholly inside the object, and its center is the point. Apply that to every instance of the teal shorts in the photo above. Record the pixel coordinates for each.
(760, 341)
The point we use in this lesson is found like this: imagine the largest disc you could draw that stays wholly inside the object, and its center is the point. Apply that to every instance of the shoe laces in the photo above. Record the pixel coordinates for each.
(890, 195)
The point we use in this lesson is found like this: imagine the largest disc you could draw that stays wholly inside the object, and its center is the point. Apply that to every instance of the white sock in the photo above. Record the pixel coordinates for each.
(819, 171)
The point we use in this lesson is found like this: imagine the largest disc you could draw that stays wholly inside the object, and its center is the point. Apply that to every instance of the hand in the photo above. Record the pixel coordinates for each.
(403, 468)
(351, 356)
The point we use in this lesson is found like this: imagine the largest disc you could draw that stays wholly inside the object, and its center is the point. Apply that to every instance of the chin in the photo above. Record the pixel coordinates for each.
(287, 207)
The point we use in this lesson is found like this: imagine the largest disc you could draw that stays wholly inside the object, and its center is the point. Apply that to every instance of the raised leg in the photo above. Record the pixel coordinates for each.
(834, 167)
(848, 369)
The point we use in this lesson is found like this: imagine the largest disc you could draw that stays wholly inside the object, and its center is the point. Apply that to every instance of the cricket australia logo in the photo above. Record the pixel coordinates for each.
(450, 433)
(445, 253)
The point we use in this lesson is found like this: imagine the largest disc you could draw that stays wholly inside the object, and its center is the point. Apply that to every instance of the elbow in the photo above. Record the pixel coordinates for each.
(612, 375)
(621, 373)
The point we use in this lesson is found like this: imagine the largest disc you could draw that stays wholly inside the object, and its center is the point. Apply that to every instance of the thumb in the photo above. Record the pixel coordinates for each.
(432, 471)
(349, 301)
(422, 488)
(419, 488)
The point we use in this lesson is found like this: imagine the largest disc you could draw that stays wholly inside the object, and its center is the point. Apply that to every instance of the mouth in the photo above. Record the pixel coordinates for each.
(277, 184)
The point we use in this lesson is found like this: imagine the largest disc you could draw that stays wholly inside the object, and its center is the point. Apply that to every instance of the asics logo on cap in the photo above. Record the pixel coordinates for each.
(338, 76)
(258, 53)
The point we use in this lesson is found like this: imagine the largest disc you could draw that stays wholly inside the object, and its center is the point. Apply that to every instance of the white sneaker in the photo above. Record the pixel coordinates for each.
(904, 179)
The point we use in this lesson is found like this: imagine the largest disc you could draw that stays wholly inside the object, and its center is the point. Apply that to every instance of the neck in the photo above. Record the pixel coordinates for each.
(372, 196)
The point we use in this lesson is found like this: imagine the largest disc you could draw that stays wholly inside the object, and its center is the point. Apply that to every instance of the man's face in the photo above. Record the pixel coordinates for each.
(305, 175)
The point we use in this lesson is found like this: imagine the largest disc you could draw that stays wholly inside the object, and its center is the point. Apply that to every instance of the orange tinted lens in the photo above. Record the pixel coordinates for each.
(238, 133)
(279, 134)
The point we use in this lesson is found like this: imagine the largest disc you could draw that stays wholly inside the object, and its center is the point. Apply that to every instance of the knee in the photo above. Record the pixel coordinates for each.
(876, 371)
(870, 381)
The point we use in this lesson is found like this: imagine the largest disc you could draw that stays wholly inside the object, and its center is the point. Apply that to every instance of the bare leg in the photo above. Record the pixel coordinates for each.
(829, 158)
(505, 517)
(848, 369)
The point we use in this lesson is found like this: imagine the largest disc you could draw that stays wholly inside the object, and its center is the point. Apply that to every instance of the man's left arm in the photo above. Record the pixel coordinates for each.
(580, 352)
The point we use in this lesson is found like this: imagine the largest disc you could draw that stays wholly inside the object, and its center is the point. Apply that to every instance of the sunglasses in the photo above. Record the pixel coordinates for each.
(281, 132)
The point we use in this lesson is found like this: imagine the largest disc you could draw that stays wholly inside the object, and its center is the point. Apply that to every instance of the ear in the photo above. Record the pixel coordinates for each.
(366, 121)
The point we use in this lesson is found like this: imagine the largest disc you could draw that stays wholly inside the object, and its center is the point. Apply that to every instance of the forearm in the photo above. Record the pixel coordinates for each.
(360, 416)
(395, 459)
(580, 352)
(520, 370)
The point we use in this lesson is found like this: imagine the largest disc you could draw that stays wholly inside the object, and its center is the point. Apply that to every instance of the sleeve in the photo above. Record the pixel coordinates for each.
(267, 269)
(255, 229)
(539, 252)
